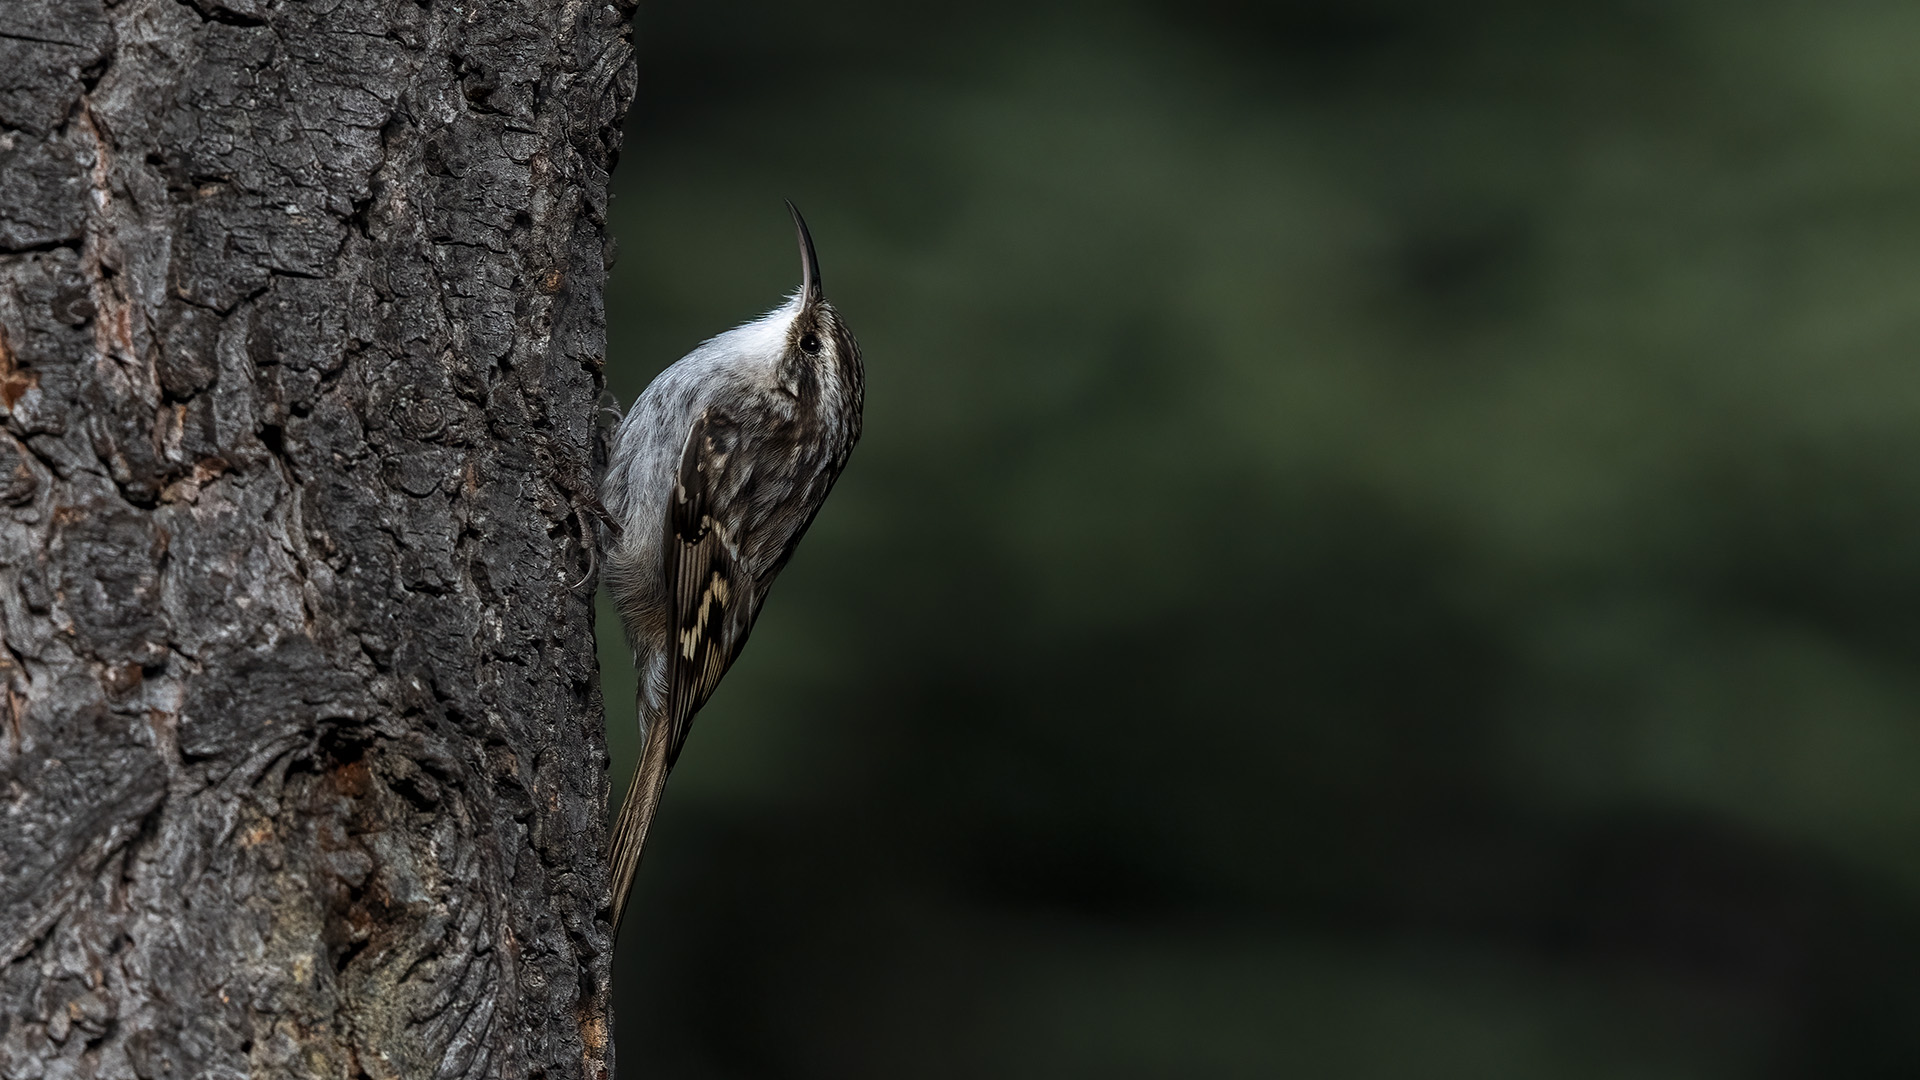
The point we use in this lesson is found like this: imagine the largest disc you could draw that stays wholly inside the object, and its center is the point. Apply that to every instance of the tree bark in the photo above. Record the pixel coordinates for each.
(302, 765)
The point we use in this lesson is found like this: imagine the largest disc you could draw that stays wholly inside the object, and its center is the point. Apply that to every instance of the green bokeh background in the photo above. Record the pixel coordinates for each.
(1387, 542)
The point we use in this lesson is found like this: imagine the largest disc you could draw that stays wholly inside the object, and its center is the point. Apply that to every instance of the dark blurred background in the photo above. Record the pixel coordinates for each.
(1387, 542)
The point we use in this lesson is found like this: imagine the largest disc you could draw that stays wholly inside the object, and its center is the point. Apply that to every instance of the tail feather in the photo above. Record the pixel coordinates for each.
(636, 814)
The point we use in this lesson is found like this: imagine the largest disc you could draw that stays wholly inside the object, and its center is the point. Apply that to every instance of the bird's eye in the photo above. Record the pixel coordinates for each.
(810, 343)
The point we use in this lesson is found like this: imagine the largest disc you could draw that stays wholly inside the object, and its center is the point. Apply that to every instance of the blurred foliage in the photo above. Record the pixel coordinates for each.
(1387, 542)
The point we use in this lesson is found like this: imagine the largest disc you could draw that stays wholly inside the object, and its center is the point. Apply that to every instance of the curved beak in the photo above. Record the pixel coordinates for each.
(810, 289)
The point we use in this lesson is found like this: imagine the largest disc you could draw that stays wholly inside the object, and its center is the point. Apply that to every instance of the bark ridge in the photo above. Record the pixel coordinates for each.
(302, 764)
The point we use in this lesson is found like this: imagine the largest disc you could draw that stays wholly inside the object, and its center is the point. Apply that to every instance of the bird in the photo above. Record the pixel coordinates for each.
(713, 477)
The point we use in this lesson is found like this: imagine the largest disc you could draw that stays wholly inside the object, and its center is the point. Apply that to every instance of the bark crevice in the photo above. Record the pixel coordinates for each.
(300, 343)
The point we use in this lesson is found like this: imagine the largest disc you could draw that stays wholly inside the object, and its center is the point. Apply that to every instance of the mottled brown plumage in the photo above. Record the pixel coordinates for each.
(716, 473)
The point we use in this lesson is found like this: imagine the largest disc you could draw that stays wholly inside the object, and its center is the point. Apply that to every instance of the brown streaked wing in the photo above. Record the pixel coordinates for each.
(708, 587)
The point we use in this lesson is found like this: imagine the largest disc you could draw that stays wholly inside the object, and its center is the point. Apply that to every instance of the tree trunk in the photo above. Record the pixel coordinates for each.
(302, 768)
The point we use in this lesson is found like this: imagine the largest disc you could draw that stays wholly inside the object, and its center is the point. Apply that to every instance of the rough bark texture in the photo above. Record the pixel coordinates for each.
(301, 753)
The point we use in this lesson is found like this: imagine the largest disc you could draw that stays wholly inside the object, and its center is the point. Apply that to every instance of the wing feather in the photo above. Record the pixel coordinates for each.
(711, 605)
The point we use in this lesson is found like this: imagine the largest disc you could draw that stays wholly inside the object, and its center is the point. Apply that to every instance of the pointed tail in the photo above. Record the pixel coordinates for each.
(636, 814)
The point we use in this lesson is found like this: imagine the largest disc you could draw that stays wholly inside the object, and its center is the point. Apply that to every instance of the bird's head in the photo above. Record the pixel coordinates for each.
(802, 347)
(818, 350)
